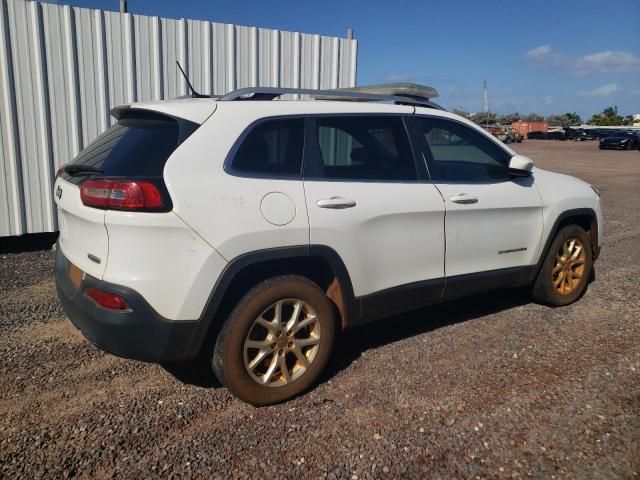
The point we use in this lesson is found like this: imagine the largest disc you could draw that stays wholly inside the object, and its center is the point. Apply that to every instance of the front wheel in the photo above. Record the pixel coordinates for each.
(276, 342)
(566, 269)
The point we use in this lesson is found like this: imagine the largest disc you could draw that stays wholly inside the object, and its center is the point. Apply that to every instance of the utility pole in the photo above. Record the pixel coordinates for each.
(123, 6)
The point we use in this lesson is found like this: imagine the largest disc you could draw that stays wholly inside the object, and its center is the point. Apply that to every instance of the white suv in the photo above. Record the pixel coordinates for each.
(251, 230)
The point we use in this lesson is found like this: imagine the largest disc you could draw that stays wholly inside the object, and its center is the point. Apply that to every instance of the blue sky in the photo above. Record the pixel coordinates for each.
(537, 56)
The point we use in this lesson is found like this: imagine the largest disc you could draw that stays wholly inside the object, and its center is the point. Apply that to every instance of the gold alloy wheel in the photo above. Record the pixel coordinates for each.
(282, 343)
(569, 267)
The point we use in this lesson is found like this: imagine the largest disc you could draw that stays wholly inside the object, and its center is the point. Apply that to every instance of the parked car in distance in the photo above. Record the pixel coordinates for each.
(251, 232)
(601, 133)
(537, 135)
(556, 135)
(577, 134)
(550, 135)
(621, 141)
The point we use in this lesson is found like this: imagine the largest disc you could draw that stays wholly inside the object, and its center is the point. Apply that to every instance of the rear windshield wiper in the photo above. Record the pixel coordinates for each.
(79, 169)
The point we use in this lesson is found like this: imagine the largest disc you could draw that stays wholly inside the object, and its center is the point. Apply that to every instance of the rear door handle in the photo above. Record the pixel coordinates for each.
(336, 203)
(464, 199)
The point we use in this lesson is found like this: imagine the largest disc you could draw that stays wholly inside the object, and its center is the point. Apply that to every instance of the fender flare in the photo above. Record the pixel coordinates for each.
(574, 212)
(220, 289)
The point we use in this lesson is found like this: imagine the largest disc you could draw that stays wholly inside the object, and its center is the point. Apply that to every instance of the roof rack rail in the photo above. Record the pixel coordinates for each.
(401, 94)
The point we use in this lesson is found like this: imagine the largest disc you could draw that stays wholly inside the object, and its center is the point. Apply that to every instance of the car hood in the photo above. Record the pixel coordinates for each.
(555, 186)
(614, 139)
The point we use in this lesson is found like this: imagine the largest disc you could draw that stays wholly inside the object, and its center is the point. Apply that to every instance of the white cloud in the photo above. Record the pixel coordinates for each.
(548, 100)
(600, 62)
(540, 51)
(609, 61)
(544, 56)
(603, 91)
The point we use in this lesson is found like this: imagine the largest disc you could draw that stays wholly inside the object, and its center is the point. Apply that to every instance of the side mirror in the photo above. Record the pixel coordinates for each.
(520, 166)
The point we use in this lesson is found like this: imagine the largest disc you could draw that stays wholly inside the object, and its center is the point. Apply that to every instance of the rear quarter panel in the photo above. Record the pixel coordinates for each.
(226, 209)
(160, 257)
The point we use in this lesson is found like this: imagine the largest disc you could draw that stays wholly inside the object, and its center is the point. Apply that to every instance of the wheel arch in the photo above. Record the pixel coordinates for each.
(583, 217)
(319, 263)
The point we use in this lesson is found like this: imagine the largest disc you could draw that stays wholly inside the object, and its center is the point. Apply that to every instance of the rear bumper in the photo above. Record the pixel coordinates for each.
(138, 333)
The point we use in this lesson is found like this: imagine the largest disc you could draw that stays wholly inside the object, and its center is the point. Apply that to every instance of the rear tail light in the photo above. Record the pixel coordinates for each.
(106, 300)
(121, 195)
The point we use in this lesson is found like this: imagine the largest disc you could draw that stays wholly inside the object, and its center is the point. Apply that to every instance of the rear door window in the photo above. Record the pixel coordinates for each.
(362, 148)
(137, 146)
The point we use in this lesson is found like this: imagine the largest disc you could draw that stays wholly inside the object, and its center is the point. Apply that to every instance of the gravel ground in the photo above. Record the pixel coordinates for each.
(492, 386)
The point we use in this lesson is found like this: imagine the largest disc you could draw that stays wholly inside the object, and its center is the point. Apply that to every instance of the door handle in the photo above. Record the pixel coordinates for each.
(464, 199)
(337, 203)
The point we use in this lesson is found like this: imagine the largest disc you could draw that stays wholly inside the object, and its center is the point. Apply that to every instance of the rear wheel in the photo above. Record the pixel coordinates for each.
(276, 342)
(566, 269)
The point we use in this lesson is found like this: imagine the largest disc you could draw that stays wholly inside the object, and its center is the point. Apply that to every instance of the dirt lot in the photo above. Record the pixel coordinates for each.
(492, 386)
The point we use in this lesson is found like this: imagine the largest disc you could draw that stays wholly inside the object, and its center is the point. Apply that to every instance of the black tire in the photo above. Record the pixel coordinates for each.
(228, 360)
(543, 290)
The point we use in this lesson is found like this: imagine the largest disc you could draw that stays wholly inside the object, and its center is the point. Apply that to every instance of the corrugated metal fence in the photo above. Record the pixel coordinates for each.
(62, 68)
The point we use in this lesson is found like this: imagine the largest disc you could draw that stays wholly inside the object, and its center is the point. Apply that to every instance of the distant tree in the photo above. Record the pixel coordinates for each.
(533, 117)
(564, 120)
(573, 118)
(557, 120)
(508, 118)
(596, 119)
(608, 117)
(627, 121)
(484, 118)
(462, 113)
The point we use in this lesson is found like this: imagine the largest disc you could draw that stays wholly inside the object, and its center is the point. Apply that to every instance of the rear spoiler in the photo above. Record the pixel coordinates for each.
(186, 127)
(119, 111)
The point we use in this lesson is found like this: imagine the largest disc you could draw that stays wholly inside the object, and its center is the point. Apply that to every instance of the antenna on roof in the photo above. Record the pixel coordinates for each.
(194, 94)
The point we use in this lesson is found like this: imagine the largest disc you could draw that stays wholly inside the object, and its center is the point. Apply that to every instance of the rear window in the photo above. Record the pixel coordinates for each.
(272, 148)
(137, 146)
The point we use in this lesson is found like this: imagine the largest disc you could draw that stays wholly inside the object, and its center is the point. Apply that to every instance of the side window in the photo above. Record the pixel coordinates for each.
(460, 154)
(364, 148)
(272, 148)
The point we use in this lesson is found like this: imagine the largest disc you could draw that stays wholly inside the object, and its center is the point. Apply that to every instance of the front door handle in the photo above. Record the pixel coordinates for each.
(337, 203)
(464, 199)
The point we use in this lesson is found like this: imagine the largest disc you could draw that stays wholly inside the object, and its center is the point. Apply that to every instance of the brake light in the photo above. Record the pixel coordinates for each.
(121, 195)
(106, 300)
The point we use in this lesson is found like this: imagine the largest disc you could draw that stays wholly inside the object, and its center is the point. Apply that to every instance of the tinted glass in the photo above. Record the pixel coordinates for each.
(364, 148)
(460, 154)
(133, 147)
(272, 148)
